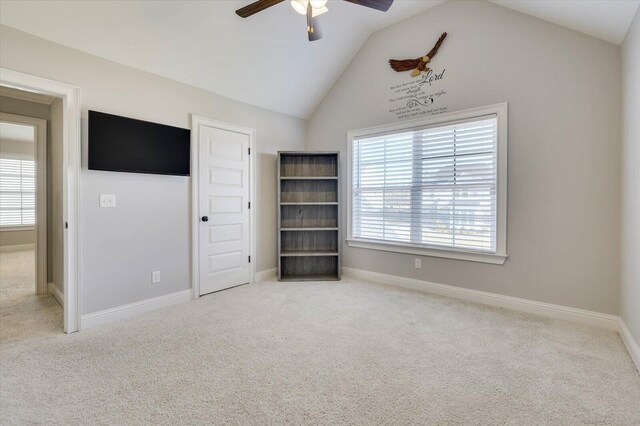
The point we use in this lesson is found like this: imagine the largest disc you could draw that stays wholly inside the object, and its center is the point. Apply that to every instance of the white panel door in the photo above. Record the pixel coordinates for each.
(224, 209)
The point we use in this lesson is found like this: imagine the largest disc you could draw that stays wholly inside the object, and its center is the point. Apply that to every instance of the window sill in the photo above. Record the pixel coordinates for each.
(16, 228)
(496, 259)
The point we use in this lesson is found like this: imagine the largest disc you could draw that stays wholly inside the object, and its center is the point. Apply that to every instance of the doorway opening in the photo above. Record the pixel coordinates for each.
(46, 198)
(30, 187)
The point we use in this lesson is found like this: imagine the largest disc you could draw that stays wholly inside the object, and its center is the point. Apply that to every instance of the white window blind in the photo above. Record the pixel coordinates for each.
(17, 192)
(433, 187)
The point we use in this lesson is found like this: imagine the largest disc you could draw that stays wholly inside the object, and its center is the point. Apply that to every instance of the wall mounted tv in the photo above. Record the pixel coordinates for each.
(121, 144)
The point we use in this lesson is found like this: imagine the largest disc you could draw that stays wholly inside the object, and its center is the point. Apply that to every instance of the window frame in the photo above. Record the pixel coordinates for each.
(500, 110)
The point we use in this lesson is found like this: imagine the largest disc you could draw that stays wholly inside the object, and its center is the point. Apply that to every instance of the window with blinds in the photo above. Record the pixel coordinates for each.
(432, 187)
(17, 192)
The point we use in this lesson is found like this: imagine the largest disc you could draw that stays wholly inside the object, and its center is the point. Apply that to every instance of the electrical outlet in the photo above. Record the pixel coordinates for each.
(155, 277)
(418, 263)
(107, 200)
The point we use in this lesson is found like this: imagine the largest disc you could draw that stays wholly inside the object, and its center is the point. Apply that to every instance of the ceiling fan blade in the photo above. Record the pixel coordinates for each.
(313, 31)
(382, 5)
(256, 7)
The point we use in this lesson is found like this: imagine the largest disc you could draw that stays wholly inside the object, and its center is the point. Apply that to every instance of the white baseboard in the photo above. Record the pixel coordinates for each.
(17, 247)
(133, 309)
(266, 275)
(127, 311)
(581, 316)
(630, 343)
(56, 293)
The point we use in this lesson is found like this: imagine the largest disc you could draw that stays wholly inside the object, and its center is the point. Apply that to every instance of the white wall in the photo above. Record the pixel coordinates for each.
(563, 90)
(150, 227)
(630, 212)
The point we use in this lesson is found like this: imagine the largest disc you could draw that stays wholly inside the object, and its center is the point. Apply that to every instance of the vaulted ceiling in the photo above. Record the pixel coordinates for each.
(264, 60)
(605, 19)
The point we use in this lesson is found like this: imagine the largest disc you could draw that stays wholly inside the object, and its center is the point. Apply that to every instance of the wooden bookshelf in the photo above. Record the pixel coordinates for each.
(308, 216)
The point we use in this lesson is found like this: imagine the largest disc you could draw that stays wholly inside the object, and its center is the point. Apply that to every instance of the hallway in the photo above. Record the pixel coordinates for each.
(23, 314)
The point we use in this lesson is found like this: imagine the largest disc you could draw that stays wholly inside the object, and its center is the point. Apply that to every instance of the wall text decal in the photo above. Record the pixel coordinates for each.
(418, 97)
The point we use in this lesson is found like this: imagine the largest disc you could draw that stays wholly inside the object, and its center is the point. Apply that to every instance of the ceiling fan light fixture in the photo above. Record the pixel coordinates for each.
(319, 11)
(300, 6)
(318, 4)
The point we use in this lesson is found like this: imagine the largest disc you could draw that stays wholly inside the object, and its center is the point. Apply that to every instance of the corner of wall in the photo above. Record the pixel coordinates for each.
(630, 188)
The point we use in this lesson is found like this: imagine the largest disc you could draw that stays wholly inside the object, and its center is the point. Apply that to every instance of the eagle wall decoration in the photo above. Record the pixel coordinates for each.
(418, 65)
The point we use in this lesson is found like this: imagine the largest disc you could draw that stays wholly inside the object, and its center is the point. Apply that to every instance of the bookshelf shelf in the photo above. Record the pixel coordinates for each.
(309, 178)
(310, 204)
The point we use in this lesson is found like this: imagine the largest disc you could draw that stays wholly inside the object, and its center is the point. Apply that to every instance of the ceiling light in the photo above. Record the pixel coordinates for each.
(319, 6)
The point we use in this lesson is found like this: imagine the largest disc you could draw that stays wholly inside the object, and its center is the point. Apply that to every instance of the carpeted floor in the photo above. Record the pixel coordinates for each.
(322, 353)
(23, 315)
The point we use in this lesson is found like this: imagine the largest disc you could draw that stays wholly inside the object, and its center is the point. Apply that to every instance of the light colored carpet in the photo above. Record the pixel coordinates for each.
(323, 353)
(23, 314)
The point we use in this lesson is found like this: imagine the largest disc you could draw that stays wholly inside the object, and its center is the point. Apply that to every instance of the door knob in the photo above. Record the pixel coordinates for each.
(205, 218)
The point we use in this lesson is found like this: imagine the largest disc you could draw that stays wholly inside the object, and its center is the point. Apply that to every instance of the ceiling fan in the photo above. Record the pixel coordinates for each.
(311, 8)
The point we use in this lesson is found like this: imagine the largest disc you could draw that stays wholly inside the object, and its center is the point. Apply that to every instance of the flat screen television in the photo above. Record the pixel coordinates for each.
(121, 144)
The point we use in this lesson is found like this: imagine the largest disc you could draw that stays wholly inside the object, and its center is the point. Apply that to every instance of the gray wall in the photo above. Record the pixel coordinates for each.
(563, 90)
(150, 227)
(55, 241)
(630, 212)
(16, 238)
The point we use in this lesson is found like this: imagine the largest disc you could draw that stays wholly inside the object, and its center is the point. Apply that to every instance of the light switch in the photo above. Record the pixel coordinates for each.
(107, 200)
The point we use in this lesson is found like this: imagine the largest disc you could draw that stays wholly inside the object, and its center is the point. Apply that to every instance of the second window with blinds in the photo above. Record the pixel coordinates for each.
(17, 193)
(434, 186)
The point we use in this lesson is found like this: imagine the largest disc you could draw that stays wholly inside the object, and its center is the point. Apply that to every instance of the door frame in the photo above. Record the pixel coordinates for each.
(71, 167)
(196, 122)
(40, 157)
